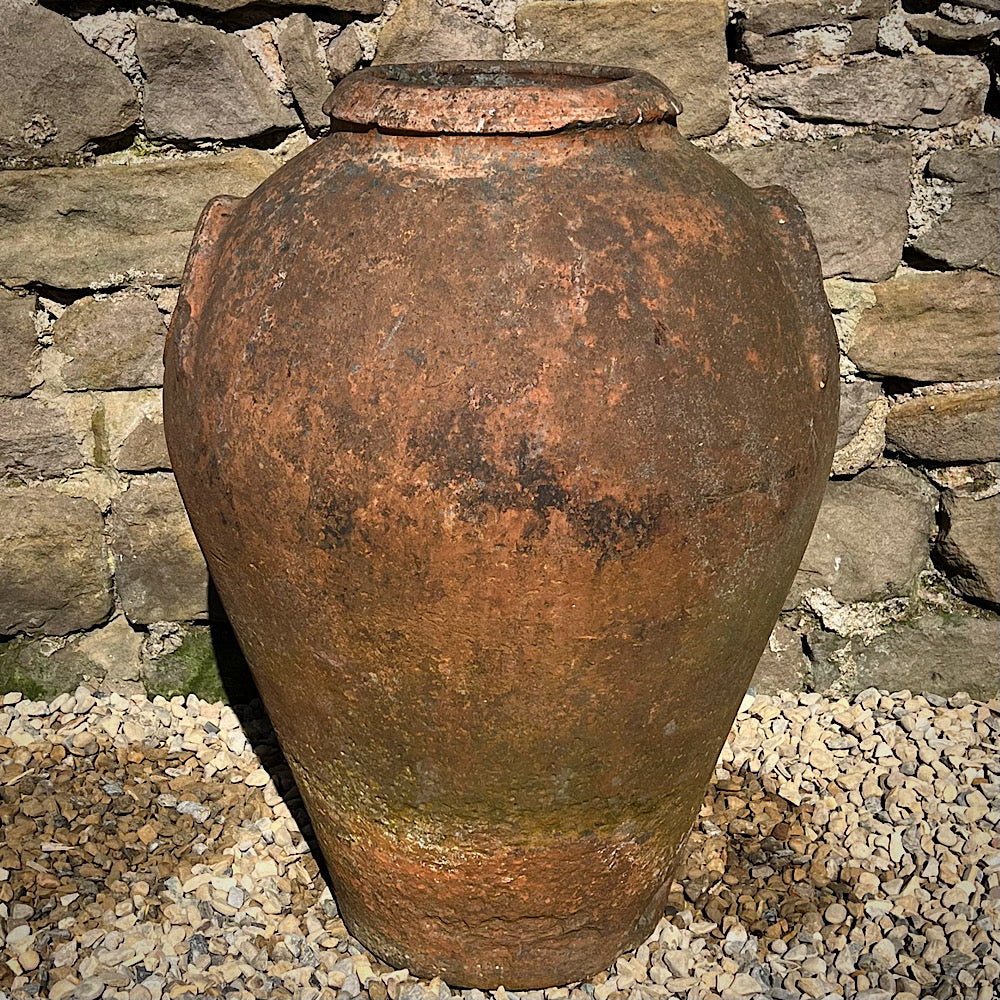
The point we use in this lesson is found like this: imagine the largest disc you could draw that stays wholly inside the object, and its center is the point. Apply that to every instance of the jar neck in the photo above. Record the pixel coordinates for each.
(497, 98)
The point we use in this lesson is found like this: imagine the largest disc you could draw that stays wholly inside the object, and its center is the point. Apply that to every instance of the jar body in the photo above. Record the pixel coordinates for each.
(503, 451)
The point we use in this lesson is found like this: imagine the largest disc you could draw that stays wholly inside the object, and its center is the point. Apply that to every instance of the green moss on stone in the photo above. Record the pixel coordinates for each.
(208, 663)
(25, 668)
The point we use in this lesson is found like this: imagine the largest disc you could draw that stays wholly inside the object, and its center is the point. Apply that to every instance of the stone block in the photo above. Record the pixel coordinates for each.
(933, 654)
(55, 574)
(202, 83)
(341, 6)
(943, 35)
(950, 427)
(160, 573)
(111, 343)
(73, 227)
(133, 425)
(783, 666)
(682, 43)
(425, 31)
(18, 344)
(968, 233)
(298, 47)
(59, 94)
(854, 190)
(871, 538)
(807, 45)
(36, 440)
(775, 17)
(343, 53)
(922, 91)
(969, 547)
(930, 327)
(861, 431)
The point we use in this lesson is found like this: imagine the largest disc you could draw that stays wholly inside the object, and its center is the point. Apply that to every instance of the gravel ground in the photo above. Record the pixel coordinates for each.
(159, 849)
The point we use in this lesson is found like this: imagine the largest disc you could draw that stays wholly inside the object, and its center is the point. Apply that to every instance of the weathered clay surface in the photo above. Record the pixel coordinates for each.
(59, 94)
(111, 343)
(871, 537)
(854, 191)
(930, 327)
(160, 574)
(18, 344)
(682, 44)
(947, 427)
(502, 541)
(75, 227)
(926, 91)
(55, 576)
(202, 83)
(969, 546)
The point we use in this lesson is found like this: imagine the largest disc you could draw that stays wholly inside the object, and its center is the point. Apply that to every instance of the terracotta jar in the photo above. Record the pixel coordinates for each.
(502, 415)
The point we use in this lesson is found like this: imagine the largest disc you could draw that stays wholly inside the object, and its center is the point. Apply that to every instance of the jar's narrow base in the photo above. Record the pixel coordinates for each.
(523, 918)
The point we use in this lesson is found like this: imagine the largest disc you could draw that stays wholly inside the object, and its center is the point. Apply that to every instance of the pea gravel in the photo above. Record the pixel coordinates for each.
(160, 849)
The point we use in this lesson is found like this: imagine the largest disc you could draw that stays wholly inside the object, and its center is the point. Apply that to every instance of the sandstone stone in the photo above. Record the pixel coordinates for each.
(969, 546)
(922, 91)
(682, 43)
(947, 427)
(424, 31)
(968, 233)
(343, 53)
(872, 537)
(818, 44)
(202, 83)
(59, 94)
(145, 449)
(856, 400)
(930, 327)
(346, 6)
(942, 35)
(934, 654)
(160, 572)
(55, 575)
(861, 434)
(111, 343)
(773, 17)
(18, 344)
(854, 191)
(71, 228)
(298, 46)
(783, 665)
(36, 440)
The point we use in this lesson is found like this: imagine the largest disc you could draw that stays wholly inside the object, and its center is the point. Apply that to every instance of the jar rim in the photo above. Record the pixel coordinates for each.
(498, 98)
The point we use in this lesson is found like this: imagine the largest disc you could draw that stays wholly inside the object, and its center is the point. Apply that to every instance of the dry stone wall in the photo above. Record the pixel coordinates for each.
(119, 121)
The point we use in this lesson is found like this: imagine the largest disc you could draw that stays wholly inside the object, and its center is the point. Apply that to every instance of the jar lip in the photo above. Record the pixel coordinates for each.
(499, 98)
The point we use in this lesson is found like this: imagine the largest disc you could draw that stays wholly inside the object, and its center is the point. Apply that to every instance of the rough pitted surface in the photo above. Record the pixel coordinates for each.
(682, 44)
(947, 427)
(36, 440)
(819, 44)
(74, 227)
(160, 572)
(18, 344)
(55, 576)
(968, 233)
(111, 343)
(202, 83)
(298, 46)
(934, 653)
(343, 53)
(926, 91)
(969, 545)
(871, 537)
(59, 94)
(424, 31)
(844, 847)
(930, 327)
(854, 191)
(774, 17)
